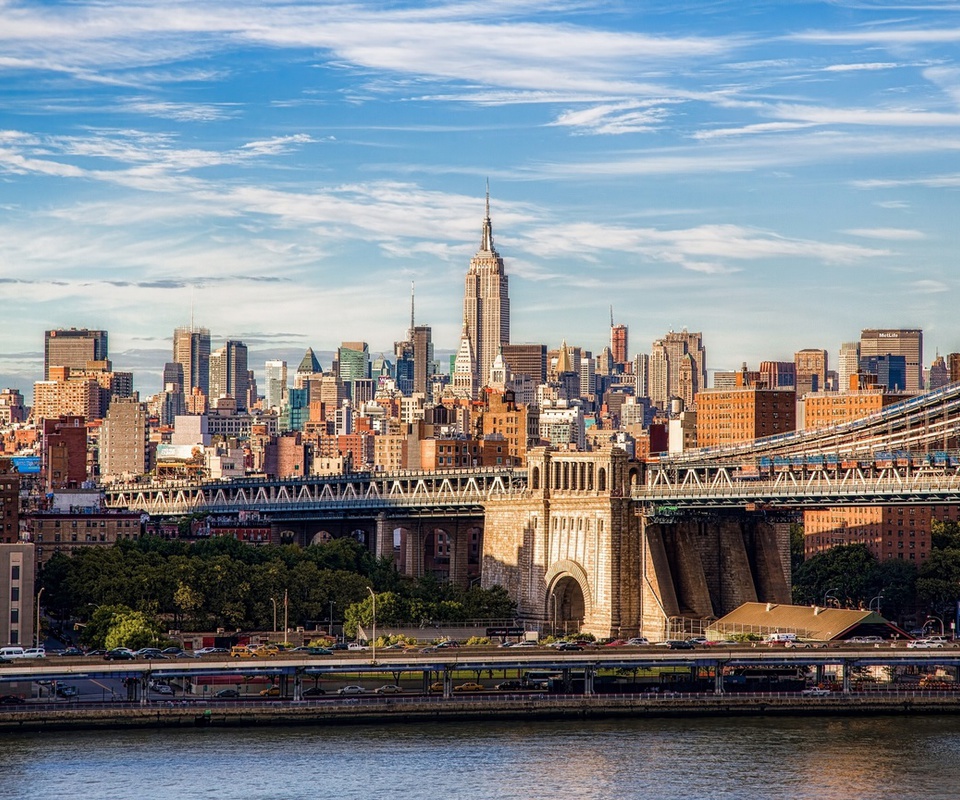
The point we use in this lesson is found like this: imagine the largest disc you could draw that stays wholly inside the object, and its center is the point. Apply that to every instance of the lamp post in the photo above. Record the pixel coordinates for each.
(330, 626)
(286, 610)
(374, 637)
(878, 598)
(553, 597)
(934, 619)
(37, 632)
(830, 595)
(274, 601)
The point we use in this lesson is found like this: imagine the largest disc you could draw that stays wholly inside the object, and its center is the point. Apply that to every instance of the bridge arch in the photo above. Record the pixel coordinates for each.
(321, 537)
(568, 598)
(288, 536)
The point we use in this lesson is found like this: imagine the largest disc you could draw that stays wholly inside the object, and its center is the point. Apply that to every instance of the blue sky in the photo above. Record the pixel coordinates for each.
(776, 175)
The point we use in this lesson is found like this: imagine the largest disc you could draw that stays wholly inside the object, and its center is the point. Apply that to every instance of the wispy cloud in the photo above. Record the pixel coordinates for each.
(888, 234)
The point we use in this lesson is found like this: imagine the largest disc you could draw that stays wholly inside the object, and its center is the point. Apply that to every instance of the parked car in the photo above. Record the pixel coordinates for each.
(119, 654)
(34, 652)
(469, 686)
(356, 646)
(270, 691)
(71, 651)
(389, 688)
(507, 685)
(924, 644)
(161, 688)
(679, 644)
(150, 653)
(67, 691)
(211, 651)
(352, 690)
(568, 646)
(227, 693)
(11, 700)
(313, 691)
(436, 686)
(638, 641)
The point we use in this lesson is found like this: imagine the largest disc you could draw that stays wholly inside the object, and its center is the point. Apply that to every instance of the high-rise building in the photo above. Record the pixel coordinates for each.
(778, 374)
(125, 449)
(730, 416)
(63, 453)
(953, 366)
(848, 364)
(811, 368)
(275, 390)
(463, 379)
(906, 342)
(11, 407)
(939, 375)
(173, 376)
(678, 368)
(890, 371)
(486, 302)
(17, 610)
(229, 376)
(618, 343)
(353, 361)
(191, 348)
(641, 374)
(74, 348)
(422, 338)
(527, 359)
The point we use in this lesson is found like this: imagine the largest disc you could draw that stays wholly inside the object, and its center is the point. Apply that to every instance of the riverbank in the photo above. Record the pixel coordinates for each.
(406, 710)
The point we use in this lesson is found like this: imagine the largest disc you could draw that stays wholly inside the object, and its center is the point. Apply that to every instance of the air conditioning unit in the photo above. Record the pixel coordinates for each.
(300, 629)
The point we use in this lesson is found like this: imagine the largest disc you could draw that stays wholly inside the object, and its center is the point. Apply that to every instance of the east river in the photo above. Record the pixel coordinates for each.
(826, 758)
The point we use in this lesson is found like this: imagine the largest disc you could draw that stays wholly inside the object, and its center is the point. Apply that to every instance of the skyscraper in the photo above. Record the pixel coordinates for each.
(191, 348)
(228, 373)
(848, 364)
(618, 342)
(422, 338)
(74, 348)
(906, 342)
(275, 376)
(678, 368)
(486, 303)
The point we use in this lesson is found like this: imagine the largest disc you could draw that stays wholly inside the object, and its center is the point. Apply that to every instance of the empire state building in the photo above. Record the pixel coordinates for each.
(486, 303)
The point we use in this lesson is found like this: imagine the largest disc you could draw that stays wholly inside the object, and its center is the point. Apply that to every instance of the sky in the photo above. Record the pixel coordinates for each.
(777, 175)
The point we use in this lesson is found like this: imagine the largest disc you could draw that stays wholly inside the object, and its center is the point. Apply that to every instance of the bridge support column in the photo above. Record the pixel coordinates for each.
(384, 537)
(718, 678)
(847, 669)
(298, 687)
(588, 675)
(659, 598)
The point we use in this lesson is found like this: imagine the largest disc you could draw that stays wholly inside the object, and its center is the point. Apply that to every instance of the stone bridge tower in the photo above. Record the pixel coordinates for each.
(577, 554)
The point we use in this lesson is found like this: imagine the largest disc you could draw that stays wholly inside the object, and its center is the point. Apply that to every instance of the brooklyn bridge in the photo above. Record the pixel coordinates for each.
(598, 541)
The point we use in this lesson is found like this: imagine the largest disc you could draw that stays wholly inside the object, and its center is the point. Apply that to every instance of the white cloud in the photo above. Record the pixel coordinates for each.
(888, 234)
(867, 66)
(928, 287)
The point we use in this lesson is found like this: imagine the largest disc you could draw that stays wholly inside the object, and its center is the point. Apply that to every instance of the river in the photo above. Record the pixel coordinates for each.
(827, 758)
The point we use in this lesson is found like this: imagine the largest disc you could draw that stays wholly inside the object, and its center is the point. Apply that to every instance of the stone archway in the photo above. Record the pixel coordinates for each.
(567, 604)
(321, 537)
(288, 537)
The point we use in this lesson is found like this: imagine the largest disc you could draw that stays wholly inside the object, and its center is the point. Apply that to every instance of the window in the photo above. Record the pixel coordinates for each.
(14, 594)
(15, 572)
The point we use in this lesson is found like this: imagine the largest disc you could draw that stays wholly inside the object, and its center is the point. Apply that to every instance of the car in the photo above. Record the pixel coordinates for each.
(211, 651)
(865, 640)
(507, 644)
(34, 652)
(119, 654)
(815, 691)
(149, 653)
(71, 651)
(527, 643)
(161, 688)
(924, 644)
(469, 686)
(266, 651)
(568, 646)
(615, 643)
(270, 691)
(509, 685)
(227, 693)
(679, 644)
(313, 691)
(430, 649)
(353, 689)
(436, 686)
(389, 688)
(11, 700)
(638, 641)
(67, 691)
(442, 645)
(356, 646)
(339, 646)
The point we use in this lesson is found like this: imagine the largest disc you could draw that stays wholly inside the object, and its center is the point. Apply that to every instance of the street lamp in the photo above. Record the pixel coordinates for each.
(330, 626)
(286, 610)
(830, 595)
(878, 598)
(934, 619)
(274, 601)
(554, 598)
(37, 632)
(374, 638)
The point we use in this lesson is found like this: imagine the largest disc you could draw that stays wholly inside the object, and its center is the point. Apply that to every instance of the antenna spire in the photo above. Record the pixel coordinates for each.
(486, 241)
(412, 286)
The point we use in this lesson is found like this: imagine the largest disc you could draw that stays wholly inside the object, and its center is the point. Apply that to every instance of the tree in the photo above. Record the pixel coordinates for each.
(847, 571)
(132, 629)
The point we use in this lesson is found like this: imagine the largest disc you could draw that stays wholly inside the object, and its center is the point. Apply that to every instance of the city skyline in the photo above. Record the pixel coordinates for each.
(777, 178)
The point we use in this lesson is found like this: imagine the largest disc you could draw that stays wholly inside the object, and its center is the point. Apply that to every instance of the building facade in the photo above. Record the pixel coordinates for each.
(729, 416)
(73, 348)
(191, 349)
(906, 342)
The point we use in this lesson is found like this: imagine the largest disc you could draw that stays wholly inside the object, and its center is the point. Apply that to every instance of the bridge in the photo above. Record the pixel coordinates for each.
(596, 541)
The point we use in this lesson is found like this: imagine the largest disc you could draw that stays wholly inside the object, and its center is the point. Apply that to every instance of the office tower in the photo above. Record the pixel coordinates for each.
(229, 376)
(275, 389)
(641, 374)
(353, 361)
(486, 304)
(618, 342)
(173, 376)
(464, 374)
(891, 371)
(74, 348)
(191, 349)
(811, 367)
(527, 359)
(848, 364)
(906, 342)
(125, 449)
(939, 374)
(778, 374)
(678, 368)
(422, 339)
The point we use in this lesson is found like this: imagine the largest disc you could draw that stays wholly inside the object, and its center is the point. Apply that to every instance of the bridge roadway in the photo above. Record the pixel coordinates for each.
(716, 659)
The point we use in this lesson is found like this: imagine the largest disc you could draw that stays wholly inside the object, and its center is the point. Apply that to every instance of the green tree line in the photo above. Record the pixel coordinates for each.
(224, 583)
